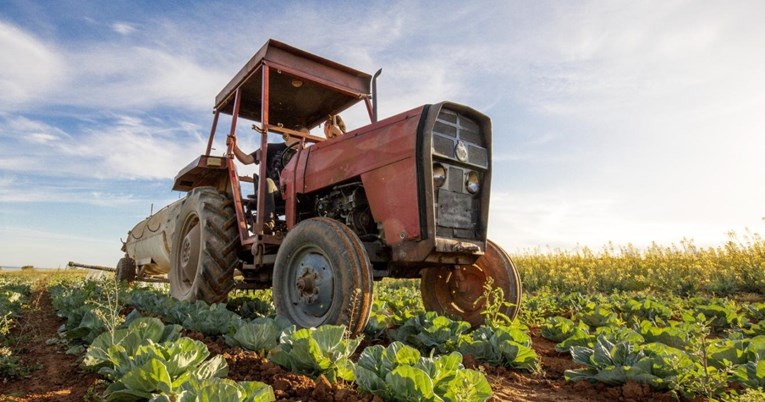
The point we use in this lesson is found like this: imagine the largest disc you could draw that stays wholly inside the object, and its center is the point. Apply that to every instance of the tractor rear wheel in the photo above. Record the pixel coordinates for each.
(204, 250)
(457, 290)
(125, 270)
(323, 275)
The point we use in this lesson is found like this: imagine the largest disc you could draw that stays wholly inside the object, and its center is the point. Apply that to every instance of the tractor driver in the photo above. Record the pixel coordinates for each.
(334, 126)
(273, 168)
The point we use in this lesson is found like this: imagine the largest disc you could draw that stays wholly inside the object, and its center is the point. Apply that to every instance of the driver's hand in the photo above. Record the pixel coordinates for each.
(230, 140)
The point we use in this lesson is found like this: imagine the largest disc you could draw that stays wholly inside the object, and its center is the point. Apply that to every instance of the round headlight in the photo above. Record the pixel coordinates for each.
(472, 184)
(439, 175)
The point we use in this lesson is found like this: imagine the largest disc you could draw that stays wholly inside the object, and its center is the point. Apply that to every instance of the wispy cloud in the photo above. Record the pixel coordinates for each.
(123, 28)
(522, 221)
(622, 122)
(123, 147)
(29, 69)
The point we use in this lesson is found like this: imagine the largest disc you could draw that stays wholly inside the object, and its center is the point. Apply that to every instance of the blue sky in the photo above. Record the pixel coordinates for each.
(621, 121)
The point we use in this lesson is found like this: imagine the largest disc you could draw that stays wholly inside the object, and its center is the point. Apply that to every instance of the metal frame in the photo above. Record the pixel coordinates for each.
(263, 67)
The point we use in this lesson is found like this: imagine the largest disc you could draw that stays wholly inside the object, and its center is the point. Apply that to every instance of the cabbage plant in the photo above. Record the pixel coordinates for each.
(316, 351)
(502, 346)
(399, 373)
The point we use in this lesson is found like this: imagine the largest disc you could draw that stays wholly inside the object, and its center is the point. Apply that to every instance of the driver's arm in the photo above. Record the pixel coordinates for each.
(246, 159)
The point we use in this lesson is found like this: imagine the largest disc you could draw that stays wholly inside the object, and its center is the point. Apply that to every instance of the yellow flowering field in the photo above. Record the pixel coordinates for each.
(738, 266)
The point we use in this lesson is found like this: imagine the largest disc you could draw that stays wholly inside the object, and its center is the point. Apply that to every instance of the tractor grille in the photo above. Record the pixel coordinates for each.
(460, 147)
(452, 128)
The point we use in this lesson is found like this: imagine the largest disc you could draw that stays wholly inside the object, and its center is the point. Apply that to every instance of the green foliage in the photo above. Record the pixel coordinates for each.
(316, 351)
(163, 369)
(615, 364)
(723, 315)
(89, 308)
(645, 308)
(11, 366)
(558, 329)
(598, 315)
(725, 352)
(431, 332)
(503, 346)
(580, 337)
(400, 373)
(253, 304)
(148, 358)
(394, 303)
(259, 335)
(13, 295)
(211, 320)
(751, 374)
(540, 306)
(494, 305)
(755, 311)
(747, 395)
(612, 334)
(220, 389)
(678, 335)
(112, 350)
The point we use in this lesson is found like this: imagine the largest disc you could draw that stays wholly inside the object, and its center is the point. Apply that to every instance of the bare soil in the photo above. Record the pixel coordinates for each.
(55, 376)
(58, 377)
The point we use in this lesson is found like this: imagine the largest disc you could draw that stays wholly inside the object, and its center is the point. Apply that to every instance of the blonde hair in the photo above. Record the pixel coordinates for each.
(334, 126)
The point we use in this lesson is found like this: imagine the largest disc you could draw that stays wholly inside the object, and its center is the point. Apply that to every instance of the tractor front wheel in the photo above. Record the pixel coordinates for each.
(323, 275)
(458, 290)
(204, 251)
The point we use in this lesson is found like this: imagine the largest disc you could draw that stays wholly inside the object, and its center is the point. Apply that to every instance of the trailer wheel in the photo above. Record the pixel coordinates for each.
(323, 275)
(125, 270)
(204, 250)
(457, 292)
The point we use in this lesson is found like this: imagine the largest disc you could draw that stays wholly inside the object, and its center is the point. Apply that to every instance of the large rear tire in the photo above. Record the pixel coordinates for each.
(204, 251)
(322, 276)
(126, 271)
(458, 292)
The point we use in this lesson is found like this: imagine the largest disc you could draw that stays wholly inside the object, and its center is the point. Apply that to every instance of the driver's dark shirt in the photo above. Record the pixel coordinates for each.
(274, 151)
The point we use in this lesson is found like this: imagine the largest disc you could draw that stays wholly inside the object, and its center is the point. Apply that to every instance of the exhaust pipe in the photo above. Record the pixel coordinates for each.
(374, 95)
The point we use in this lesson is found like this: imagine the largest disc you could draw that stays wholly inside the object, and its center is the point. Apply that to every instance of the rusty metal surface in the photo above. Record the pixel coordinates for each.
(382, 155)
(214, 127)
(457, 290)
(203, 171)
(262, 168)
(323, 87)
(392, 194)
(425, 250)
(361, 151)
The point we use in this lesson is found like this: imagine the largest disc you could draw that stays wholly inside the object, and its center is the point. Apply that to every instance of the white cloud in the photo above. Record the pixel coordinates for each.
(525, 221)
(102, 75)
(29, 68)
(139, 77)
(640, 121)
(126, 147)
(22, 129)
(123, 28)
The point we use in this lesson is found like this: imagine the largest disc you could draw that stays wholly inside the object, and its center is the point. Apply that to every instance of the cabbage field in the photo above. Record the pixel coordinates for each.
(665, 323)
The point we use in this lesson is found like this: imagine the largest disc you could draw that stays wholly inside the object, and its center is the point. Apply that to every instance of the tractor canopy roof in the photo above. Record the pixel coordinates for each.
(302, 88)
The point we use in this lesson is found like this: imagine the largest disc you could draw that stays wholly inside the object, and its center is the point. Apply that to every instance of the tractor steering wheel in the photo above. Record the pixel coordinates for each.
(281, 160)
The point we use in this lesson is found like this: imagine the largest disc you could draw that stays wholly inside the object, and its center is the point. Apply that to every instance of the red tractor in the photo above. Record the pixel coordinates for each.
(403, 197)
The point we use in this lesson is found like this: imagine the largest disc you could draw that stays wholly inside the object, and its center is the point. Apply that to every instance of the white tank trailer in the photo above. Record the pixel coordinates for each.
(150, 241)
